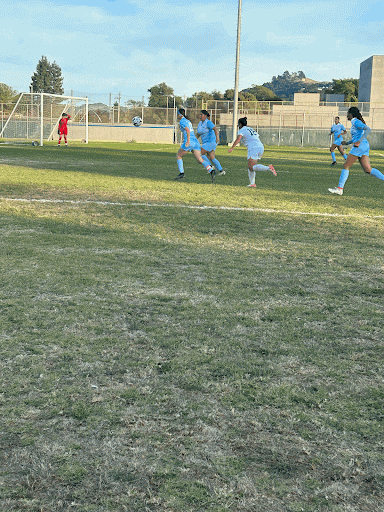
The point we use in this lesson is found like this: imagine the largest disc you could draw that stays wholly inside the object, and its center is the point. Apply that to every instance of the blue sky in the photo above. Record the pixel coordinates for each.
(127, 46)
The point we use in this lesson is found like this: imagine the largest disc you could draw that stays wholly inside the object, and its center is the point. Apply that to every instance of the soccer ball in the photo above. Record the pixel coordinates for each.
(35, 143)
(136, 121)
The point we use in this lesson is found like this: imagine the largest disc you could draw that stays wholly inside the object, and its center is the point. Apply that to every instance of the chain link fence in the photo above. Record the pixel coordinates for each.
(278, 123)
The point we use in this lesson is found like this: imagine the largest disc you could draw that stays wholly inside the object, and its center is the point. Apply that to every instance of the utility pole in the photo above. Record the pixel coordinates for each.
(236, 90)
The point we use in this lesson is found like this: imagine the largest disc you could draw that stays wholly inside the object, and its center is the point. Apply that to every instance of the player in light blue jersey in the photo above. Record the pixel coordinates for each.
(255, 150)
(209, 138)
(359, 151)
(337, 130)
(190, 144)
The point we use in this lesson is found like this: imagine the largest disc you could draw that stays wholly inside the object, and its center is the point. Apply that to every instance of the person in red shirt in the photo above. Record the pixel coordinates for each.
(63, 128)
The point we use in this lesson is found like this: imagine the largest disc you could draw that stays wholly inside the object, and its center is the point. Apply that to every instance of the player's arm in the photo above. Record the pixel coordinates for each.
(217, 134)
(188, 132)
(237, 141)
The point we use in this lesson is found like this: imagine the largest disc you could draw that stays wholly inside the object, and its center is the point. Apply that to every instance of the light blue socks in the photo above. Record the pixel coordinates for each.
(343, 177)
(180, 165)
(377, 174)
(217, 164)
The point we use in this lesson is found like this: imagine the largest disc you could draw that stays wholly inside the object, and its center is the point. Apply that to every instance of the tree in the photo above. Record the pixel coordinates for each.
(47, 77)
(347, 86)
(7, 94)
(261, 93)
(198, 98)
(162, 96)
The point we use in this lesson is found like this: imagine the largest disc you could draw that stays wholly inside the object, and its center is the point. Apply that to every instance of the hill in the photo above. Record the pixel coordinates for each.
(287, 84)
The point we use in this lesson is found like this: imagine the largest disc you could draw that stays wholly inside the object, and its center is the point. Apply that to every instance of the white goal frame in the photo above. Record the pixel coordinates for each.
(37, 115)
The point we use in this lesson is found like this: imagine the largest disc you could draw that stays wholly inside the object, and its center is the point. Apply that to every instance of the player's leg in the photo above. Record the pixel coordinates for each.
(180, 165)
(341, 151)
(351, 159)
(204, 156)
(332, 150)
(251, 172)
(199, 158)
(366, 165)
(260, 167)
(216, 163)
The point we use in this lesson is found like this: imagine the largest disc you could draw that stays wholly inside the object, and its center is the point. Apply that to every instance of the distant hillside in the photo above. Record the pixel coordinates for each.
(287, 84)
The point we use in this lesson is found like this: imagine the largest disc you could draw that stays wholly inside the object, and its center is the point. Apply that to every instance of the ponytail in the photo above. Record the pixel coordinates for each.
(355, 112)
(181, 111)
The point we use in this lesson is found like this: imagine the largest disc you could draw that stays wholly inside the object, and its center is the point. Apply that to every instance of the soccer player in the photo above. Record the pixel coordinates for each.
(338, 131)
(189, 144)
(210, 139)
(359, 151)
(255, 151)
(63, 128)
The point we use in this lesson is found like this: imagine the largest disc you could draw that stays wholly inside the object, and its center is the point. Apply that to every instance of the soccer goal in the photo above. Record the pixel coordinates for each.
(35, 118)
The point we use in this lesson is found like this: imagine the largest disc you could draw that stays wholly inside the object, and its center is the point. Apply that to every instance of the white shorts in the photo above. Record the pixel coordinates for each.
(255, 153)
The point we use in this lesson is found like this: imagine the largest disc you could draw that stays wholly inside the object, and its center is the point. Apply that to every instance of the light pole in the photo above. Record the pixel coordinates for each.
(236, 90)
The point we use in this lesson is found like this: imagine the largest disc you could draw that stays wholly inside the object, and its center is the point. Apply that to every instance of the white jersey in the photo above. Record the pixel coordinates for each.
(250, 137)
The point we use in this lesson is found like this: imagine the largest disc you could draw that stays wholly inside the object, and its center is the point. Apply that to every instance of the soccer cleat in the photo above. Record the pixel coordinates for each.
(272, 169)
(251, 185)
(180, 176)
(336, 190)
(333, 163)
(221, 173)
(210, 169)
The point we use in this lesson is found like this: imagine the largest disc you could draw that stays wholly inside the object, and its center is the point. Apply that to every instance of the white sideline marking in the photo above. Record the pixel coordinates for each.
(191, 207)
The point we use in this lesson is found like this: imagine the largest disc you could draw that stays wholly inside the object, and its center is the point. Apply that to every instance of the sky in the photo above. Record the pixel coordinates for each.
(126, 46)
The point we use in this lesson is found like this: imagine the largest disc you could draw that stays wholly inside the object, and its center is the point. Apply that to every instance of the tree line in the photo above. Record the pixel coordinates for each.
(48, 78)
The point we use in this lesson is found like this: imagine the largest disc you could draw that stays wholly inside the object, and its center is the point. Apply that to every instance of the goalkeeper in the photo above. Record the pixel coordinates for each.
(63, 128)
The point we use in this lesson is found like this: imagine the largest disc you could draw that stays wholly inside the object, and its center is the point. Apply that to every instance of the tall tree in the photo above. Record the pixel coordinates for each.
(47, 77)
(159, 95)
(7, 94)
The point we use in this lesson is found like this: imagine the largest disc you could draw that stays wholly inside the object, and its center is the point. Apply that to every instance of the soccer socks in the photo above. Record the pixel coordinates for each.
(343, 177)
(205, 160)
(259, 167)
(217, 164)
(333, 156)
(180, 165)
(252, 176)
(345, 156)
(377, 174)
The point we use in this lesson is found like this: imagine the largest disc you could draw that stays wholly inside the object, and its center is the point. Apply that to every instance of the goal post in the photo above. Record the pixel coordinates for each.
(36, 116)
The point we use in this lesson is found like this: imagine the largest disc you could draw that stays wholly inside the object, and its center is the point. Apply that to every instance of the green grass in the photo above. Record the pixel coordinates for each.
(189, 347)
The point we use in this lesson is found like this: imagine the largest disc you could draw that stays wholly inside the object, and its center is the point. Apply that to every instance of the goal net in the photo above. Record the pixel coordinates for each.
(35, 118)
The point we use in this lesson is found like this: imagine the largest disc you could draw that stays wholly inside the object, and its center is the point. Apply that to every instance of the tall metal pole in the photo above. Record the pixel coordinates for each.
(236, 90)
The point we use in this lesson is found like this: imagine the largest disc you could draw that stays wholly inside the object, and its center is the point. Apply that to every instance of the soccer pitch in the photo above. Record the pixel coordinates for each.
(189, 346)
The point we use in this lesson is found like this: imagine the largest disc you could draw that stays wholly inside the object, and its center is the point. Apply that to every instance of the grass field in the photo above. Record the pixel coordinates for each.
(187, 347)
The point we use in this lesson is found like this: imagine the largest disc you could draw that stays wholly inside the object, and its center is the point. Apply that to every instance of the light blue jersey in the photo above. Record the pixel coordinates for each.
(193, 142)
(359, 131)
(206, 130)
(337, 130)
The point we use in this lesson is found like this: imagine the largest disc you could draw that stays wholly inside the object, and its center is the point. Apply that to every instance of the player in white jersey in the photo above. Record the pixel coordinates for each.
(337, 130)
(255, 150)
(359, 151)
(209, 140)
(189, 144)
